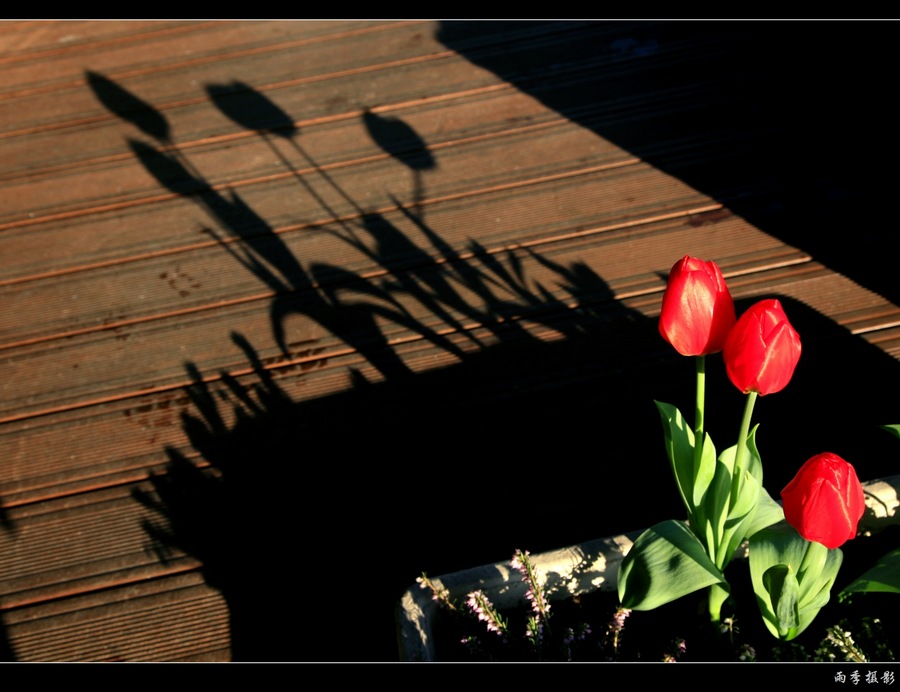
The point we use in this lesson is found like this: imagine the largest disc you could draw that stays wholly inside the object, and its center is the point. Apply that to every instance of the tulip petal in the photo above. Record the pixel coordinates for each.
(745, 348)
(697, 310)
(781, 358)
(824, 501)
(762, 350)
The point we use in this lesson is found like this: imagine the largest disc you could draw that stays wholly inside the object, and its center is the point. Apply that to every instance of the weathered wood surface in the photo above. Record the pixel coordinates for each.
(278, 297)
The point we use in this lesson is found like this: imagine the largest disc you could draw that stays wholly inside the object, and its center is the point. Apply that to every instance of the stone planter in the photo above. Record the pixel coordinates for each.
(570, 571)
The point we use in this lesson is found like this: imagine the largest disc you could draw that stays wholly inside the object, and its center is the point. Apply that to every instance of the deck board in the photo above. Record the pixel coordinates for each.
(466, 255)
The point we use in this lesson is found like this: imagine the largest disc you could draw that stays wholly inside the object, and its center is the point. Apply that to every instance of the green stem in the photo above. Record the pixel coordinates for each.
(695, 514)
(718, 593)
(743, 448)
(698, 417)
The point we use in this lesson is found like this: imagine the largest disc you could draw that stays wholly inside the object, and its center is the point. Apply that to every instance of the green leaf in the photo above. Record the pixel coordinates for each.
(815, 587)
(665, 563)
(754, 463)
(679, 439)
(742, 510)
(715, 504)
(704, 475)
(767, 512)
(884, 577)
(748, 478)
(699, 519)
(751, 508)
(745, 500)
(784, 592)
(893, 429)
(813, 566)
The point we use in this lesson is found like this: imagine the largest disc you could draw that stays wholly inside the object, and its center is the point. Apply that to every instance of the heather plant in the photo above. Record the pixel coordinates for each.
(531, 636)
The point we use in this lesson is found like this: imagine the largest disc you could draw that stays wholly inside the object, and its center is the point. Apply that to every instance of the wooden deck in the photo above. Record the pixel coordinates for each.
(293, 311)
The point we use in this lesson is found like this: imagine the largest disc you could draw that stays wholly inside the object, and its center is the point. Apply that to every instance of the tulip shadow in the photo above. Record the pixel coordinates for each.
(129, 107)
(255, 246)
(253, 111)
(313, 516)
(405, 145)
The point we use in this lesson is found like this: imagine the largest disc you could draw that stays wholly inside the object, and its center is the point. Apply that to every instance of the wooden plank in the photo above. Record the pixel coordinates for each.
(56, 55)
(319, 192)
(41, 375)
(159, 620)
(70, 452)
(279, 49)
(152, 419)
(106, 242)
(39, 42)
(94, 283)
(69, 549)
(294, 99)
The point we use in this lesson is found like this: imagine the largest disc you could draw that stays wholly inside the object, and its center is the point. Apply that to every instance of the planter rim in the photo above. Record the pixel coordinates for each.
(570, 571)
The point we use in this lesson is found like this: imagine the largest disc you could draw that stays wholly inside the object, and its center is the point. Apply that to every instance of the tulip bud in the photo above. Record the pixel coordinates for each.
(762, 350)
(697, 309)
(824, 501)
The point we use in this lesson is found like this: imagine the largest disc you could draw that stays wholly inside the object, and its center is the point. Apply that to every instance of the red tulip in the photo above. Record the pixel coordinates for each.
(697, 309)
(762, 350)
(825, 501)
